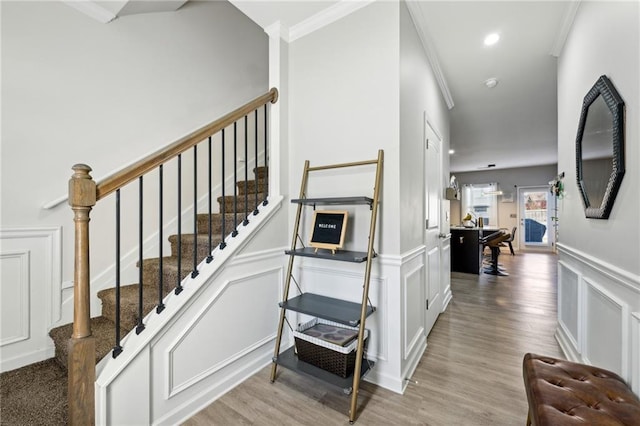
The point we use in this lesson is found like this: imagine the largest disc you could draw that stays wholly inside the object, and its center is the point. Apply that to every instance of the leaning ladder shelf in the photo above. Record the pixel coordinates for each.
(336, 310)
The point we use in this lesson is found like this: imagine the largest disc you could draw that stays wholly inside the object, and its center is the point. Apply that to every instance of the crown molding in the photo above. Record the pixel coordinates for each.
(563, 32)
(420, 23)
(92, 9)
(326, 17)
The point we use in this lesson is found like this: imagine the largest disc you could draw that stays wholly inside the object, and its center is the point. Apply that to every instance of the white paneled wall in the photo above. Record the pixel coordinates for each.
(397, 290)
(567, 303)
(599, 314)
(223, 334)
(30, 294)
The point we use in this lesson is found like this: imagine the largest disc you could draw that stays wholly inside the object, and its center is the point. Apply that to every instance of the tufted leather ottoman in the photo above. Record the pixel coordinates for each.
(567, 393)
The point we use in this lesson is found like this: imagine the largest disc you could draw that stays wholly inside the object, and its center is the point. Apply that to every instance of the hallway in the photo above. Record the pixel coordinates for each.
(470, 374)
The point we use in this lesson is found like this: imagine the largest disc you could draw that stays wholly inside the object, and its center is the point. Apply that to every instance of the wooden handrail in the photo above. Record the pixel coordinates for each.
(121, 178)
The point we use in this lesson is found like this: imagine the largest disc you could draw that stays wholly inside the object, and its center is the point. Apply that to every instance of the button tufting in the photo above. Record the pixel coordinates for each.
(576, 400)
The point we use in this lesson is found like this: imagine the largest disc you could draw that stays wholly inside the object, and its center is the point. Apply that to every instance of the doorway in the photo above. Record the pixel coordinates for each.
(535, 207)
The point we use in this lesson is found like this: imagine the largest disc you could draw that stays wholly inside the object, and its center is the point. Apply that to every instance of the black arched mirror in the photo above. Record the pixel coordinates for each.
(600, 148)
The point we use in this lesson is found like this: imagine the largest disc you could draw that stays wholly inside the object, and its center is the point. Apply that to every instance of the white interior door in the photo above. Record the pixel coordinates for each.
(432, 185)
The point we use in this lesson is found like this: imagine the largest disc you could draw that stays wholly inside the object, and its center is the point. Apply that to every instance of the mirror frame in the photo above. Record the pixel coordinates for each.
(603, 87)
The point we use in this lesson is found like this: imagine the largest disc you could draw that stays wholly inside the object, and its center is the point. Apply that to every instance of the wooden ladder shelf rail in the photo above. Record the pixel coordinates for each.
(370, 254)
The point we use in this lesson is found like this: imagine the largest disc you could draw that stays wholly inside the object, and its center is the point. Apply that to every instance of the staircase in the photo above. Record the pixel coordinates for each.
(36, 394)
(103, 327)
(240, 134)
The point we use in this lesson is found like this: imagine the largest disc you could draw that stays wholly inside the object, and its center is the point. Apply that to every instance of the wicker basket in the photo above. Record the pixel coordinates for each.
(339, 360)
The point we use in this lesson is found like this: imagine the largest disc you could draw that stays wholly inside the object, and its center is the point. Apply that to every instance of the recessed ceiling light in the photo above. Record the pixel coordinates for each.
(491, 39)
(452, 151)
(491, 83)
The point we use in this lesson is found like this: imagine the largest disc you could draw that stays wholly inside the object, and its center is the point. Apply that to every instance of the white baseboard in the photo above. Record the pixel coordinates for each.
(186, 411)
(566, 346)
(26, 359)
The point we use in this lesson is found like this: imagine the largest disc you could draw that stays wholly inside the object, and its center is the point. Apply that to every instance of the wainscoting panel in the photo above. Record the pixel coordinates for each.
(224, 336)
(635, 352)
(30, 294)
(603, 344)
(14, 299)
(446, 271)
(606, 302)
(567, 307)
(242, 318)
(413, 309)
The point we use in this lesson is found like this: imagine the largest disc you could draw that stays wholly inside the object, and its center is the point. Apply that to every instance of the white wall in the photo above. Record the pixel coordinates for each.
(599, 274)
(75, 90)
(78, 91)
(344, 106)
(590, 52)
(419, 93)
(351, 83)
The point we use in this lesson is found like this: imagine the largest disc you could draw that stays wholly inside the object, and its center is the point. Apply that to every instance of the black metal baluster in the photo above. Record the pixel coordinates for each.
(160, 306)
(235, 179)
(266, 170)
(223, 234)
(140, 325)
(178, 289)
(246, 173)
(117, 349)
(210, 257)
(195, 272)
(255, 163)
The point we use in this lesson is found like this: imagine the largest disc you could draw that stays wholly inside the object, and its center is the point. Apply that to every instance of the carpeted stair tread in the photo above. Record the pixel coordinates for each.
(129, 304)
(216, 222)
(229, 203)
(102, 329)
(250, 186)
(34, 395)
(202, 244)
(261, 172)
(170, 271)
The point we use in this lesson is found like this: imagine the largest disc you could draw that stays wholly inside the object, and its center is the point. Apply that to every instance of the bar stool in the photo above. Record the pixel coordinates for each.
(494, 245)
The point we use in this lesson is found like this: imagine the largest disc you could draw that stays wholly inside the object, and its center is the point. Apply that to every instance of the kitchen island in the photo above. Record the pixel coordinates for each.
(467, 245)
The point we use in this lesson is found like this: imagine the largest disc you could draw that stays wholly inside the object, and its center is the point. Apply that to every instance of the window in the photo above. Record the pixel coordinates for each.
(481, 200)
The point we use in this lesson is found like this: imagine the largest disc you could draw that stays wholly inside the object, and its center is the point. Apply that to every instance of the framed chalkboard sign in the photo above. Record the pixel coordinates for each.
(329, 229)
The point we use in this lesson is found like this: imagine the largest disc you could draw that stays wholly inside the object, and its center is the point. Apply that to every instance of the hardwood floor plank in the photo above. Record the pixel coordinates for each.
(470, 374)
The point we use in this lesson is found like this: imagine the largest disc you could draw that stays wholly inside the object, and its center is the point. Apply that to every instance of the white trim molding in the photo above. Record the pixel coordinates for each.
(419, 22)
(326, 17)
(20, 315)
(626, 278)
(32, 290)
(571, 8)
(92, 9)
(52, 237)
(173, 388)
(635, 352)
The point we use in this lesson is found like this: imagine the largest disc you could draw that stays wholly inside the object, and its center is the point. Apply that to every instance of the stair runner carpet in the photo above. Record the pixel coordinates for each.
(37, 394)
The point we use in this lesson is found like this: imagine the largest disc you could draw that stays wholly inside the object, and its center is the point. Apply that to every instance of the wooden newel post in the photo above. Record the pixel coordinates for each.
(82, 364)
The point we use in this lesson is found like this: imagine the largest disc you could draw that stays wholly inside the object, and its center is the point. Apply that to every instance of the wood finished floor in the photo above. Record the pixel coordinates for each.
(470, 374)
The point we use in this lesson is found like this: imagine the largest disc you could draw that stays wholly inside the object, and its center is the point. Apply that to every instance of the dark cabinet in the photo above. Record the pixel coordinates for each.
(466, 250)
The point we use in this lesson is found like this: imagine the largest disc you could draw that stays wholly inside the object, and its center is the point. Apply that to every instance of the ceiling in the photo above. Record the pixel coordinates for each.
(515, 123)
(511, 125)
